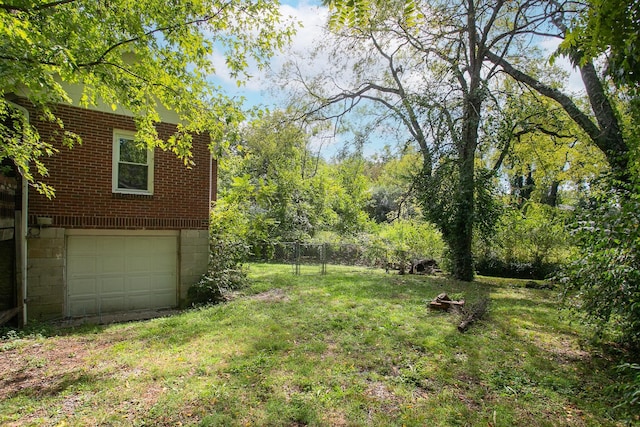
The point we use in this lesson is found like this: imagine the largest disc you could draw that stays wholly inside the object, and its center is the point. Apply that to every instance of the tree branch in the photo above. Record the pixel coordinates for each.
(606, 135)
(153, 31)
(412, 121)
(13, 8)
(565, 102)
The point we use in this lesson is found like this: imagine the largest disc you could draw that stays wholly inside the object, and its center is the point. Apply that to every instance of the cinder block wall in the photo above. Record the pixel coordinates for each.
(45, 273)
(194, 259)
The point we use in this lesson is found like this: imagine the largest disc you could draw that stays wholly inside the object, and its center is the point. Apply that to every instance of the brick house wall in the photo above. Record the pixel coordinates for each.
(82, 178)
(85, 205)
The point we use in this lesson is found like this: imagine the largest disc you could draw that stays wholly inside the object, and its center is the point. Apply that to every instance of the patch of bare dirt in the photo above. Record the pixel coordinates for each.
(569, 352)
(273, 295)
(335, 418)
(563, 351)
(41, 369)
(379, 390)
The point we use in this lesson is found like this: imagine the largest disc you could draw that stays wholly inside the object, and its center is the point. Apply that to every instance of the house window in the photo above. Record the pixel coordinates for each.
(132, 165)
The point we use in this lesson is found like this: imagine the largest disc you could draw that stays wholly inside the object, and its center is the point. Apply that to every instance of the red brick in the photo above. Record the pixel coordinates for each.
(82, 178)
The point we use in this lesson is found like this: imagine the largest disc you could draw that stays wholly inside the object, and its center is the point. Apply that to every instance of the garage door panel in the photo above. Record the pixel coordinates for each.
(138, 302)
(87, 248)
(160, 269)
(82, 265)
(137, 264)
(108, 245)
(112, 285)
(119, 273)
(81, 287)
(162, 284)
(112, 303)
(84, 307)
(142, 245)
(162, 300)
(138, 283)
(111, 264)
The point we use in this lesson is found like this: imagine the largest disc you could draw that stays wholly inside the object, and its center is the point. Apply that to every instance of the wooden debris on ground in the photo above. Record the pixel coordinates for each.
(443, 302)
(468, 314)
(473, 313)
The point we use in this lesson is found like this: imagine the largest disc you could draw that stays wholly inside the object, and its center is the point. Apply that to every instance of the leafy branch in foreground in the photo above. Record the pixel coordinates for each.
(605, 281)
(145, 56)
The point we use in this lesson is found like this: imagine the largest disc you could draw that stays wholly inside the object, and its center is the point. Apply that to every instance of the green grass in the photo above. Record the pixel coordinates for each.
(351, 348)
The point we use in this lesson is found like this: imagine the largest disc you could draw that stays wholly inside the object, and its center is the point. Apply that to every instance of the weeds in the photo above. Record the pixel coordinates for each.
(354, 347)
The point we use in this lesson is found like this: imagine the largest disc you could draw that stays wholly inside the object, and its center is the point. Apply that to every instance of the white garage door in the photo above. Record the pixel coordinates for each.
(107, 274)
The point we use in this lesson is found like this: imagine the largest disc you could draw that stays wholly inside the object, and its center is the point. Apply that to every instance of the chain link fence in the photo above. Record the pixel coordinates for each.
(299, 254)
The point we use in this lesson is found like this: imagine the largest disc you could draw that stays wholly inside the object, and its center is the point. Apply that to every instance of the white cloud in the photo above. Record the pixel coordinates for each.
(574, 83)
(311, 18)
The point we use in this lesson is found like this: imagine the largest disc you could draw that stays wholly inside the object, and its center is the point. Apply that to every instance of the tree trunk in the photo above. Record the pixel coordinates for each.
(551, 196)
(610, 139)
(464, 212)
(462, 230)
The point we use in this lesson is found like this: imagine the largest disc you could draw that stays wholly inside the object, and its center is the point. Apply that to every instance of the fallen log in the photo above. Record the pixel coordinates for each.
(464, 325)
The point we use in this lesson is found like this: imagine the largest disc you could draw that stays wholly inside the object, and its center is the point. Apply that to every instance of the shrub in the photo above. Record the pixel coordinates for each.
(412, 238)
(604, 282)
(531, 243)
(492, 266)
(225, 274)
(629, 389)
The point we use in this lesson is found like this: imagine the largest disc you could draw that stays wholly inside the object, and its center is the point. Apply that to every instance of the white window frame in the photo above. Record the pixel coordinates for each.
(117, 134)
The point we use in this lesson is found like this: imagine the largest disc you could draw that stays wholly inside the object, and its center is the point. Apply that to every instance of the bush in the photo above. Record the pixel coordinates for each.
(225, 274)
(629, 389)
(531, 243)
(411, 239)
(491, 266)
(604, 282)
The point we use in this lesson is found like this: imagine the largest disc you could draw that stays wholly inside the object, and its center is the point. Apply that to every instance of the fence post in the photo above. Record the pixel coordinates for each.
(297, 257)
(323, 257)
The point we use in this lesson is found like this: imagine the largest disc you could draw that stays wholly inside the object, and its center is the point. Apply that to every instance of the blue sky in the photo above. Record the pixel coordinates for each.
(313, 15)
(308, 12)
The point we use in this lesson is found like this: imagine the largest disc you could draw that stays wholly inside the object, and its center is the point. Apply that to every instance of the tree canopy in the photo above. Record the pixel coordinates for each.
(440, 70)
(610, 28)
(433, 67)
(143, 55)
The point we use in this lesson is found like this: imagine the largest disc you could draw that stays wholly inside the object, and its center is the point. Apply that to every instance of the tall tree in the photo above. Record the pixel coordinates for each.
(426, 64)
(272, 186)
(553, 19)
(143, 55)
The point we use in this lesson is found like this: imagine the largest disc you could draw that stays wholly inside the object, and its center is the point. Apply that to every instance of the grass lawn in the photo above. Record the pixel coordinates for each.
(352, 348)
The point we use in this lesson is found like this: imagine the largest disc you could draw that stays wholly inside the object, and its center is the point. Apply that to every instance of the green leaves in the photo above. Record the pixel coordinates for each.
(606, 277)
(611, 28)
(144, 56)
(359, 13)
(348, 13)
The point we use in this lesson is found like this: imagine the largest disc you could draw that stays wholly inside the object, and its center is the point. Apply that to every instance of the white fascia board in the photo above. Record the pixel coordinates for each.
(75, 93)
